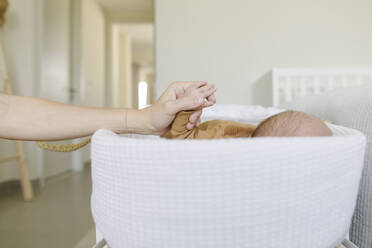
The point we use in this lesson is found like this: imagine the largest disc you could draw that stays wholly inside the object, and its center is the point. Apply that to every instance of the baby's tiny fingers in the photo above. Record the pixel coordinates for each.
(206, 88)
(189, 126)
(195, 116)
(198, 123)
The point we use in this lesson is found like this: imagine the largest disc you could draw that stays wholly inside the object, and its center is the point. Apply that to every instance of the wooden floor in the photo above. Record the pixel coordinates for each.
(58, 217)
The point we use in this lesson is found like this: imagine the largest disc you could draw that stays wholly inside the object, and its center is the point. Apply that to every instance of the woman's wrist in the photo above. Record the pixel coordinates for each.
(138, 121)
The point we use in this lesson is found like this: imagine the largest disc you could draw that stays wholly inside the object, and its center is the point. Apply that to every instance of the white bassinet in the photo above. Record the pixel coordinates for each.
(264, 192)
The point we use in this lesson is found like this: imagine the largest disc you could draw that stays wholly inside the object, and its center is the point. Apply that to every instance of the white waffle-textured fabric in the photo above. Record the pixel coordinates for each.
(264, 192)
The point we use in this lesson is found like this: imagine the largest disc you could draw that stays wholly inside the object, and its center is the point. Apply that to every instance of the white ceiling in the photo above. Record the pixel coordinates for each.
(126, 5)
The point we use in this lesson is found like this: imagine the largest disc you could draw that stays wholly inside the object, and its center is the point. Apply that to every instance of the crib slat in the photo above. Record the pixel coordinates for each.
(288, 91)
(343, 82)
(316, 85)
(330, 83)
(358, 80)
(275, 87)
(302, 87)
(290, 83)
(275, 92)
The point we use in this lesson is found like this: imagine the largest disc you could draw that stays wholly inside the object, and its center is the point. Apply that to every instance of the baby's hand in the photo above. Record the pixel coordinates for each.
(204, 92)
(180, 96)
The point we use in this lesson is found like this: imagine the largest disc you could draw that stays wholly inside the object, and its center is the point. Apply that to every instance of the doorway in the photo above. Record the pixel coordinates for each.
(132, 65)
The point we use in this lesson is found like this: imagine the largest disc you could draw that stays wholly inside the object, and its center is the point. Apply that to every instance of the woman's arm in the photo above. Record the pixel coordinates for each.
(29, 118)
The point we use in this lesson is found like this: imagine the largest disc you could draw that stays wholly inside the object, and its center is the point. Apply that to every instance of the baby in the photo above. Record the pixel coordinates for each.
(289, 123)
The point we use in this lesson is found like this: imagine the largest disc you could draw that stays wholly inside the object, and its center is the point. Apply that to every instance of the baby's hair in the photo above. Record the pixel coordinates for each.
(292, 123)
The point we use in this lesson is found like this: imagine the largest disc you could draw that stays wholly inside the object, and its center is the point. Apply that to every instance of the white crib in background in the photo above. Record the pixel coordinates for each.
(291, 83)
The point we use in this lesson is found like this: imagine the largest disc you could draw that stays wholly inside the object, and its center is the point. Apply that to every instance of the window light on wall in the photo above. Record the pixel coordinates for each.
(142, 94)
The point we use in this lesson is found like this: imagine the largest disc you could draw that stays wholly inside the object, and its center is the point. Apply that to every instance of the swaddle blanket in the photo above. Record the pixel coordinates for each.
(215, 129)
(228, 193)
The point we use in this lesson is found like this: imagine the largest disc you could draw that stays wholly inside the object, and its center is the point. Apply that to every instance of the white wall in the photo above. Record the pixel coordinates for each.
(143, 53)
(56, 40)
(122, 88)
(93, 54)
(55, 73)
(131, 49)
(20, 37)
(37, 40)
(92, 58)
(235, 43)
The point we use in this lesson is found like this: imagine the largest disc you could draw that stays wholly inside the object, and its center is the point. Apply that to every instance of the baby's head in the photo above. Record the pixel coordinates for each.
(292, 123)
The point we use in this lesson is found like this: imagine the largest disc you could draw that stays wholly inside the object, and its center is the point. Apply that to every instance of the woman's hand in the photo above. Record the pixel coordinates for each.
(179, 96)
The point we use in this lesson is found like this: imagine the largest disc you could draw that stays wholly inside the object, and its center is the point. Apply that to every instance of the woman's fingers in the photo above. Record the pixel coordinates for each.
(209, 96)
(208, 92)
(212, 98)
(198, 84)
(199, 94)
(188, 84)
(206, 88)
(184, 103)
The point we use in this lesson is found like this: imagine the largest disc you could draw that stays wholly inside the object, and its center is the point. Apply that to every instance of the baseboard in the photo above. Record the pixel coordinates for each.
(13, 186)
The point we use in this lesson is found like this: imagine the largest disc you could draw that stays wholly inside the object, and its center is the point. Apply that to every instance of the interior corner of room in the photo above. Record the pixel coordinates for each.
(86, 52)
(92, 53)
(124, 53)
